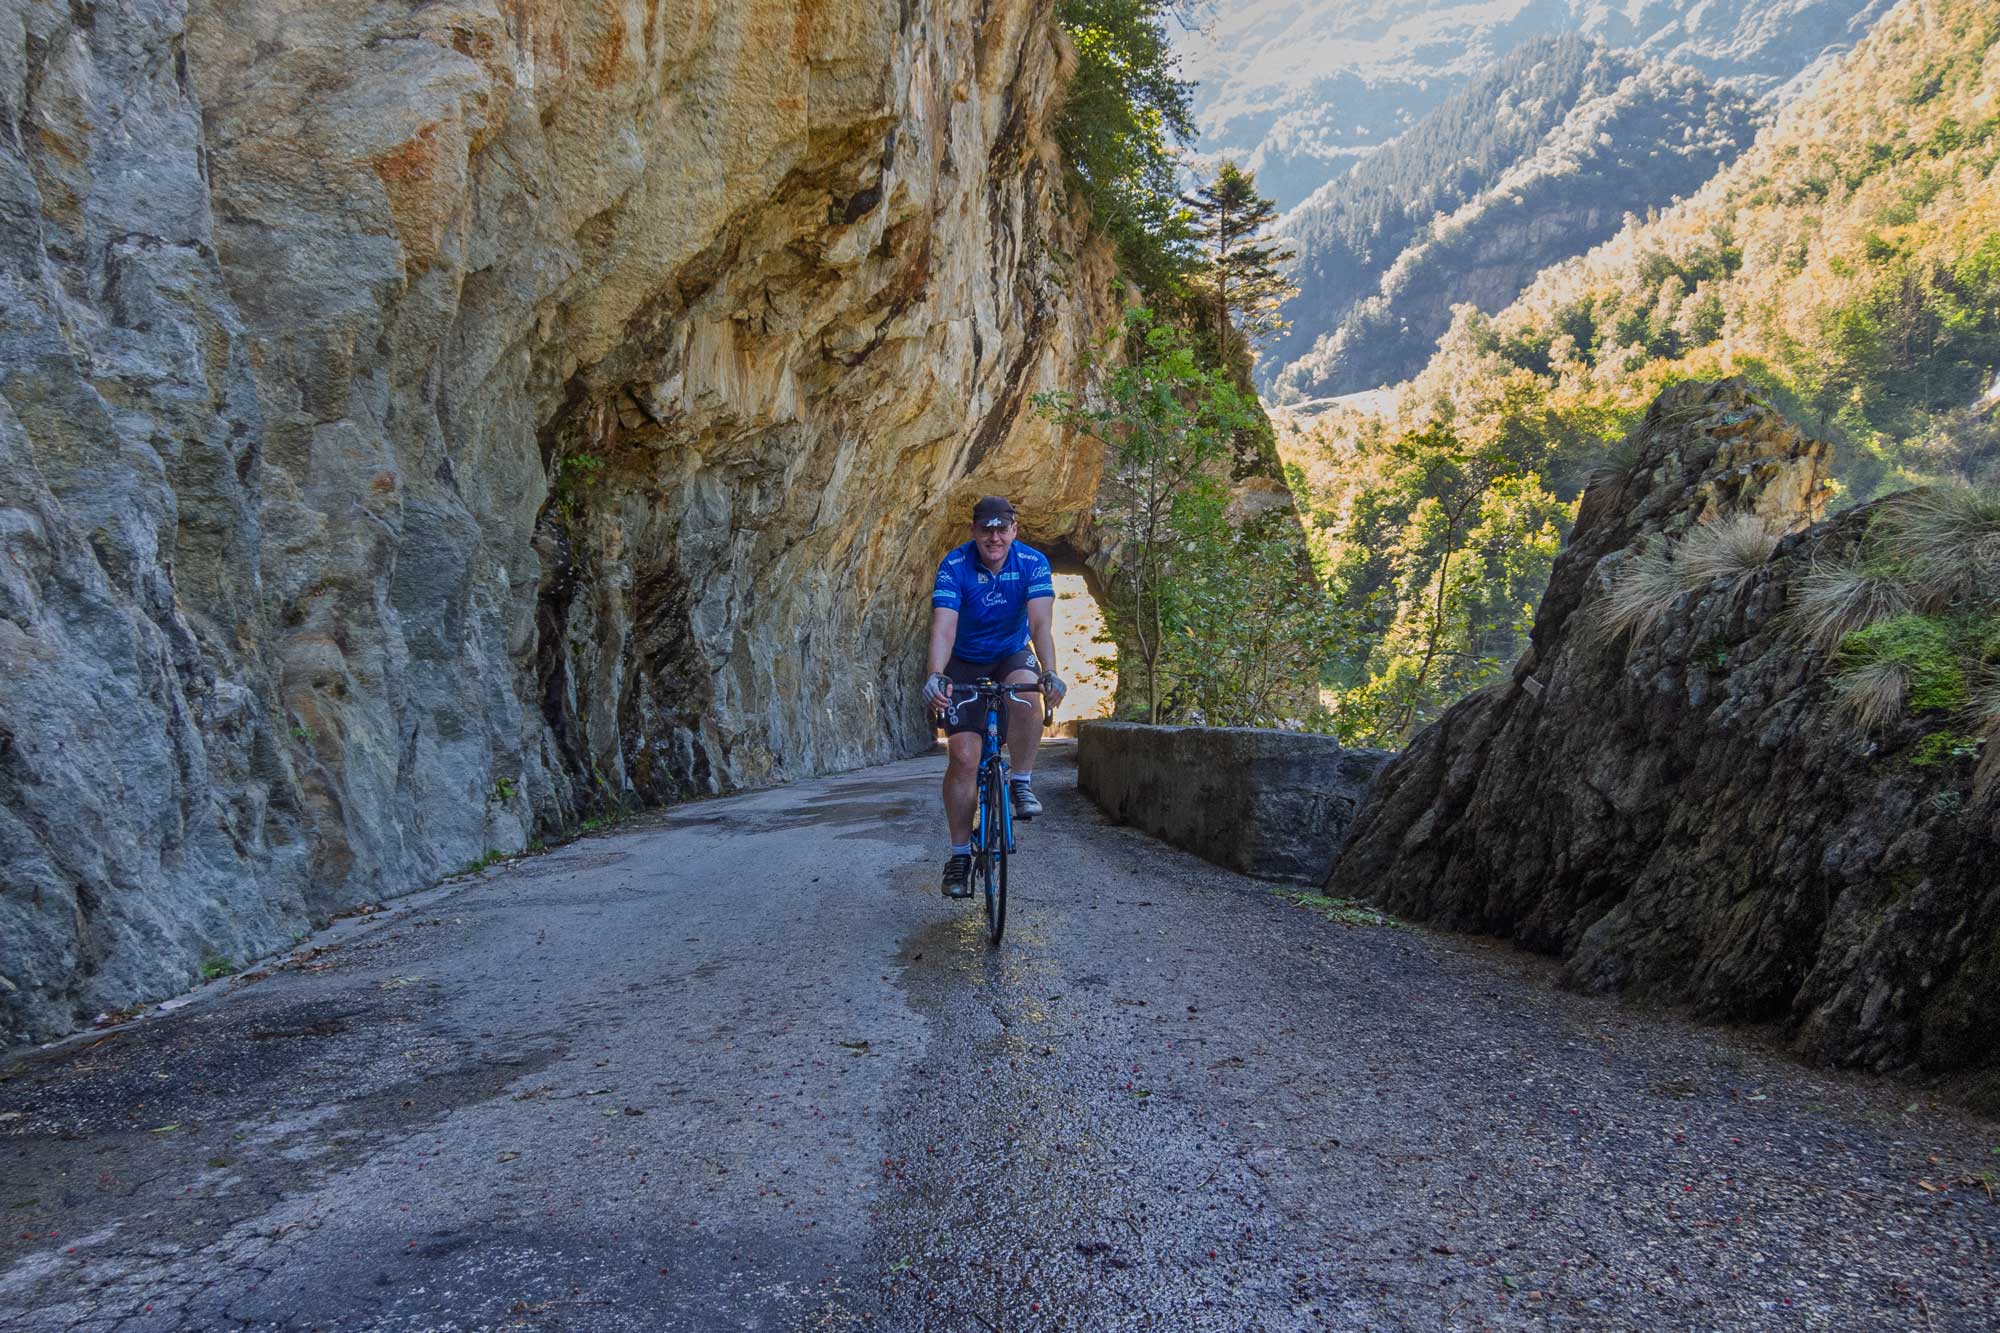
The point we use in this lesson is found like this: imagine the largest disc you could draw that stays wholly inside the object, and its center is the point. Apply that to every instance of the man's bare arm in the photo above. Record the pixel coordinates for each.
(944, 630)
(1041, 630)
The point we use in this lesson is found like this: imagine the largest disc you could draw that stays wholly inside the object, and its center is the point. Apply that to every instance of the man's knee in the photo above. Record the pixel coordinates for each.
(961, 754)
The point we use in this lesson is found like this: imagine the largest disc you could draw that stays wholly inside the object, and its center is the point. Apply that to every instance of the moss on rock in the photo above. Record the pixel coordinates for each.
(1925, 647)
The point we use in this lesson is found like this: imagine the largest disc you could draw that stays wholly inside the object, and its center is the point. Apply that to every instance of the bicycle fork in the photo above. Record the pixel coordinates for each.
(998, 770)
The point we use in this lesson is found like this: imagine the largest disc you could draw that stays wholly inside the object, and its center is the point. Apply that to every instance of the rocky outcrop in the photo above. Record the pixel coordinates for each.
(422, 424)
(1681, 814)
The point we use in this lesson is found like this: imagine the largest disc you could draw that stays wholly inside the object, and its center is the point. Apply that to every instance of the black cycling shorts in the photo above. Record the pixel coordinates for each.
(971, 713)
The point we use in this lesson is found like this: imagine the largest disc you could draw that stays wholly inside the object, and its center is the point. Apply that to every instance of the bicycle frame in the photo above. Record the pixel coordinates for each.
(993, 846)
(990, 752)
(992, 766)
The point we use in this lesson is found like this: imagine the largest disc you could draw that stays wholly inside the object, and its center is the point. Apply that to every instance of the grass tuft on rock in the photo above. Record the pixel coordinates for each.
(1947, 538)
(1833, 600)
(1871, 696)
(1985, 710)
(1730, 549)
(1642, 590)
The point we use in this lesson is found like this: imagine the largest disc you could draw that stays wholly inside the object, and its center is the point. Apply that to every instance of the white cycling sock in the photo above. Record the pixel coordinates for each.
(1022, 777)
(961, 849)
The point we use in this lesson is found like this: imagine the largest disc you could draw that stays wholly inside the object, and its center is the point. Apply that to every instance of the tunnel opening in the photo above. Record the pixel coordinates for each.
(1086, 653)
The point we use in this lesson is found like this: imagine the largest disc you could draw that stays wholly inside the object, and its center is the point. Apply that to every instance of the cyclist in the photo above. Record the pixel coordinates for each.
(992, 611)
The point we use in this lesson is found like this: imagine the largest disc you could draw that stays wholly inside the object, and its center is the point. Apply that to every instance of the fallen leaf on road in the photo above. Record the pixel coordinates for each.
(508, 1156)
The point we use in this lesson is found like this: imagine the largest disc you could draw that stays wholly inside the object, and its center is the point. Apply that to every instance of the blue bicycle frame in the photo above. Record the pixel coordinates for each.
(990, 750)
(993, 816)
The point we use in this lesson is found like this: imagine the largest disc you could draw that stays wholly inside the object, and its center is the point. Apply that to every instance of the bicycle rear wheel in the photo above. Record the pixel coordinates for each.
(994, 874)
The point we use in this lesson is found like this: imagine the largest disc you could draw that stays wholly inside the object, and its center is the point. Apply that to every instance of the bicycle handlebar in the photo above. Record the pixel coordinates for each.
(994, 687)
(989, 687)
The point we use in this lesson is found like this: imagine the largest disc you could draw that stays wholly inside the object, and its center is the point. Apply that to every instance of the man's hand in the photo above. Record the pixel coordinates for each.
(1053, 688)
(937, 691)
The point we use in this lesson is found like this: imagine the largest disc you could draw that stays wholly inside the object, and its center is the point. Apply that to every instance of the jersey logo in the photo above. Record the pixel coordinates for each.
(995, 598)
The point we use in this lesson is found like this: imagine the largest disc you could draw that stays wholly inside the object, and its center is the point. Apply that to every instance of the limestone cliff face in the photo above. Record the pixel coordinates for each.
(1683, 815)
(421, 423)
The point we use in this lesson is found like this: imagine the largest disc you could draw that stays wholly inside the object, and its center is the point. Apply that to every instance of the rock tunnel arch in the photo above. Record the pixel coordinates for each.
(1082, 632)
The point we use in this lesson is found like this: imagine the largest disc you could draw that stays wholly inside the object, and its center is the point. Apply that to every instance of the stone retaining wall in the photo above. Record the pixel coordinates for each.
(1274, 804)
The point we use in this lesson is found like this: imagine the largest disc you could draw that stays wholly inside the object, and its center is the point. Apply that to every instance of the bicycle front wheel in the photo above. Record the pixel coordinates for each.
(994, 875)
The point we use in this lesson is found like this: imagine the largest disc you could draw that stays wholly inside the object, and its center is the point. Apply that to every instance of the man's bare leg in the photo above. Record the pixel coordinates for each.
(961, 782)
(1024, 727)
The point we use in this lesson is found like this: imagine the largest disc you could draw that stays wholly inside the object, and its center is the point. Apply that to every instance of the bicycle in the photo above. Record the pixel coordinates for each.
(993, 826)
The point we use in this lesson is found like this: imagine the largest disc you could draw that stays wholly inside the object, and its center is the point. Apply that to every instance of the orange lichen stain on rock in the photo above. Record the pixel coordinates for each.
(805, 15)
(384, 483)
(607, 61)
(408, 173)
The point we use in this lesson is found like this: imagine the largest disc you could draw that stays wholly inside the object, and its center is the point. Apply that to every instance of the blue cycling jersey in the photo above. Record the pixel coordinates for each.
(992, 605)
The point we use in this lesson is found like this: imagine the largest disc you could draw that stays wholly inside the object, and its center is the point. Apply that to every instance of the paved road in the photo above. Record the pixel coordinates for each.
(738, 1066)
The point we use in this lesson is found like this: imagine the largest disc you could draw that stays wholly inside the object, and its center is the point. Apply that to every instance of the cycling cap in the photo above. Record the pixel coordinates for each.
(992, 511)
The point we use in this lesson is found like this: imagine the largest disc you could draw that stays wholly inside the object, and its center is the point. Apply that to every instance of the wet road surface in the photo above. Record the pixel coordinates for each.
(738, 1066)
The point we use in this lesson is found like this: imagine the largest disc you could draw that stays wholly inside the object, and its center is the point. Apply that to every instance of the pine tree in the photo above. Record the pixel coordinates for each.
(1241, 272)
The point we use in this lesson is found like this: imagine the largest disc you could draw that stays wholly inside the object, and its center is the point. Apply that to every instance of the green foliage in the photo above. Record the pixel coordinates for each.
(574, 471)
(504, 791)
(1923, 647)
(1441, 543)
(1252, 621)
(1848, 264)
(1341, 911)
(491, 856)
(1218, 618)
(1123, 112)
(215, 966)
(1238, 276)
(1942, 748)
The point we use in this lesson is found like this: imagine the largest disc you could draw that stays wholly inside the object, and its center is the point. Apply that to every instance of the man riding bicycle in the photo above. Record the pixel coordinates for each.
(992, 612)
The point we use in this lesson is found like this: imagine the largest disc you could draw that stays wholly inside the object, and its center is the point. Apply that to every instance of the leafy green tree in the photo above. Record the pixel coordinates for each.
(1256, 628)
(1240, 272)
(1445, 544)
(1170, 423)
(1123, 113)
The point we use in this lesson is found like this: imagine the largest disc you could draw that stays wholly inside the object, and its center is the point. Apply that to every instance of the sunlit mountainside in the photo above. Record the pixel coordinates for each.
(1847, 264)
(1538, 158)
(1301, 89)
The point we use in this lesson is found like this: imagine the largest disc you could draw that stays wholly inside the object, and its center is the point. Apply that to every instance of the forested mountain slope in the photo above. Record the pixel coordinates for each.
(1299, 90)
(1534, 161)
(1848, 266)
